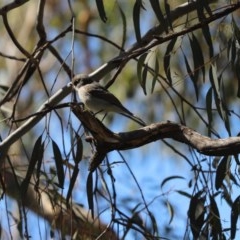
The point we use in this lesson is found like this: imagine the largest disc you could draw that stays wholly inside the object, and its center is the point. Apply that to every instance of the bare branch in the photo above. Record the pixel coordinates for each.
(11, 6)
(106, 141)
(18, 133)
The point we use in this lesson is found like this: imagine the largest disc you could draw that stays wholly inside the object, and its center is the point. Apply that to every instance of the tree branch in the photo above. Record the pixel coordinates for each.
(106, 141)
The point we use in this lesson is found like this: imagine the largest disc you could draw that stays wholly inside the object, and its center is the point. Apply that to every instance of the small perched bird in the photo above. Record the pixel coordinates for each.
(98, 99)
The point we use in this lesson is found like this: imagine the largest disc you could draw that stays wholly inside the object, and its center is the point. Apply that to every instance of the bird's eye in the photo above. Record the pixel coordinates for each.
(75, 82)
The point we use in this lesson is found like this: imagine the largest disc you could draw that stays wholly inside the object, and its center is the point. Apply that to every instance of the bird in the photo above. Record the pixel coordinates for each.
(97, 99)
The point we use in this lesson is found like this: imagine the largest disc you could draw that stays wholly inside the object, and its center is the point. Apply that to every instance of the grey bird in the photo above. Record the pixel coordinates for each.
(98, 99)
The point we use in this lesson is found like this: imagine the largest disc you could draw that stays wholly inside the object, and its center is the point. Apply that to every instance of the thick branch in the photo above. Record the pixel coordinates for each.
(106, 141)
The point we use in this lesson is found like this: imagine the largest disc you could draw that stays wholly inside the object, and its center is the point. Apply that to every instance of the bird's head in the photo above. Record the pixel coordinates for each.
(81, 80)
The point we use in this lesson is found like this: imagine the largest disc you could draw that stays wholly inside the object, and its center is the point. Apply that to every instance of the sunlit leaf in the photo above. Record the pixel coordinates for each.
(59, 164)
(101, 10)
(234, 216)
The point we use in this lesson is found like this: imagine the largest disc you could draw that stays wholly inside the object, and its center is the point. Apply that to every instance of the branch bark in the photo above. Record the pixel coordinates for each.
(106, 141)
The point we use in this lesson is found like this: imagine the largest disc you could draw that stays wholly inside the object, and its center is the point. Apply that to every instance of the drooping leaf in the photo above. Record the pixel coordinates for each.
(215, 220)
(234, 216)
(136, 19)
(171, 211)
(167, 58)
(158, 12)
(140, 66)
(209, 109)
(59, 164)
(192, 76)
(168, 14)
(79, 151)
(124, 21)
(72, 183)
(90, 193)
(196, 213)
(154, 223)
(170, 178)
(183, 193)
(198, 58)
(201, 5)
(236, 31)
(217, 93)
(237, 71)
(37, 155)
(221, 172)
(155, 77)
(144, 78)
(101, 10)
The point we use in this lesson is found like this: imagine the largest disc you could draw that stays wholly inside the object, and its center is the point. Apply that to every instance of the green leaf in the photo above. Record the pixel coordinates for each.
(37, 156)
(136, 19)
(158, 12)
(90, 193)
(171, 211)
(59, 164)
(192, 76)
(201, 4)
(196, 213)
(79, 151)
(234, 216)
(236, 31)
(221, 172)
(237, 71)
(183, 193)
(170, 178)
(209, 109)
(144, 78)
(168, 14)
(154, 223)
(216, 89)
(215, 220)
(140, 65)
(124, 21)
(198, 58)
(156, 72)
(72, 183)
(101, 10)
(167, 58)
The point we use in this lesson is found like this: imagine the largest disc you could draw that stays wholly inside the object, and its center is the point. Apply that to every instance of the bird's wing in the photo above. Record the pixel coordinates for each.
(105, 95)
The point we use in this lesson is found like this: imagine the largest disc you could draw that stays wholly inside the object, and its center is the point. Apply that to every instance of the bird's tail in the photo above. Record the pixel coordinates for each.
(135, 119)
